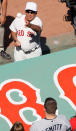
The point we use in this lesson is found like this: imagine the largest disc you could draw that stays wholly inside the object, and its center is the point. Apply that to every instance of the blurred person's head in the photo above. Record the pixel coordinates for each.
(50, 105)
(30, 10)
(17, 126)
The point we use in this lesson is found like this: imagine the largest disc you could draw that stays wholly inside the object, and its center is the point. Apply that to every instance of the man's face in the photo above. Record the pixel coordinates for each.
(30, 15)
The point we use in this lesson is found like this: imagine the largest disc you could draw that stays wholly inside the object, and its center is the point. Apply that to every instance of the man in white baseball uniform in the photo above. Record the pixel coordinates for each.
(51, 122)
(26, 30)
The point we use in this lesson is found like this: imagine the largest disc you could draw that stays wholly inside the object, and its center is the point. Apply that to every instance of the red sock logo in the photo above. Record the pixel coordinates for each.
(27, 97)
(65, 80)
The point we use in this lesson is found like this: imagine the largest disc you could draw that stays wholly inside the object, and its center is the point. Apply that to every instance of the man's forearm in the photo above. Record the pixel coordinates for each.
(14, 35)
(34, 27)
(4, 7)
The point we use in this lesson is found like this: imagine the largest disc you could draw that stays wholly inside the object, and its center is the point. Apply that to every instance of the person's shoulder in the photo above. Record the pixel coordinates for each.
(37, 21)
(63, 117)
(37, 18)
(18, 18)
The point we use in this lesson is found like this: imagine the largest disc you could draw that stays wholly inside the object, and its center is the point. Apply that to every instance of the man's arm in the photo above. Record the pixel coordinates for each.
(4, 11)
(34, 27)
(14, 36)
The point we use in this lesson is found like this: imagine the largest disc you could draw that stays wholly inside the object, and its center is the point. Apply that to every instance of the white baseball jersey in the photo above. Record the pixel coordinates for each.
(60, 123)
(23, 32)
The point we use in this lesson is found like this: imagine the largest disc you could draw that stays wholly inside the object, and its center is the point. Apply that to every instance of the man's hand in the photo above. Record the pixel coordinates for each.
(17, 43)
(28, 24)
(33, 27)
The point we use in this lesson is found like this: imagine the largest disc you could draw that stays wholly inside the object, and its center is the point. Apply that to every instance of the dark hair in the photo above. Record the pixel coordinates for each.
(50, 105)
(17, 126)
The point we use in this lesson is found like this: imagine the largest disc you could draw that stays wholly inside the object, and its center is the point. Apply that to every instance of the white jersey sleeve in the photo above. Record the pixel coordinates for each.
(13, 26)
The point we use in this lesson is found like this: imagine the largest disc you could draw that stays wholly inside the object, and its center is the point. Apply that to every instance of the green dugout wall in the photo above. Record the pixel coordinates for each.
(24, 86)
